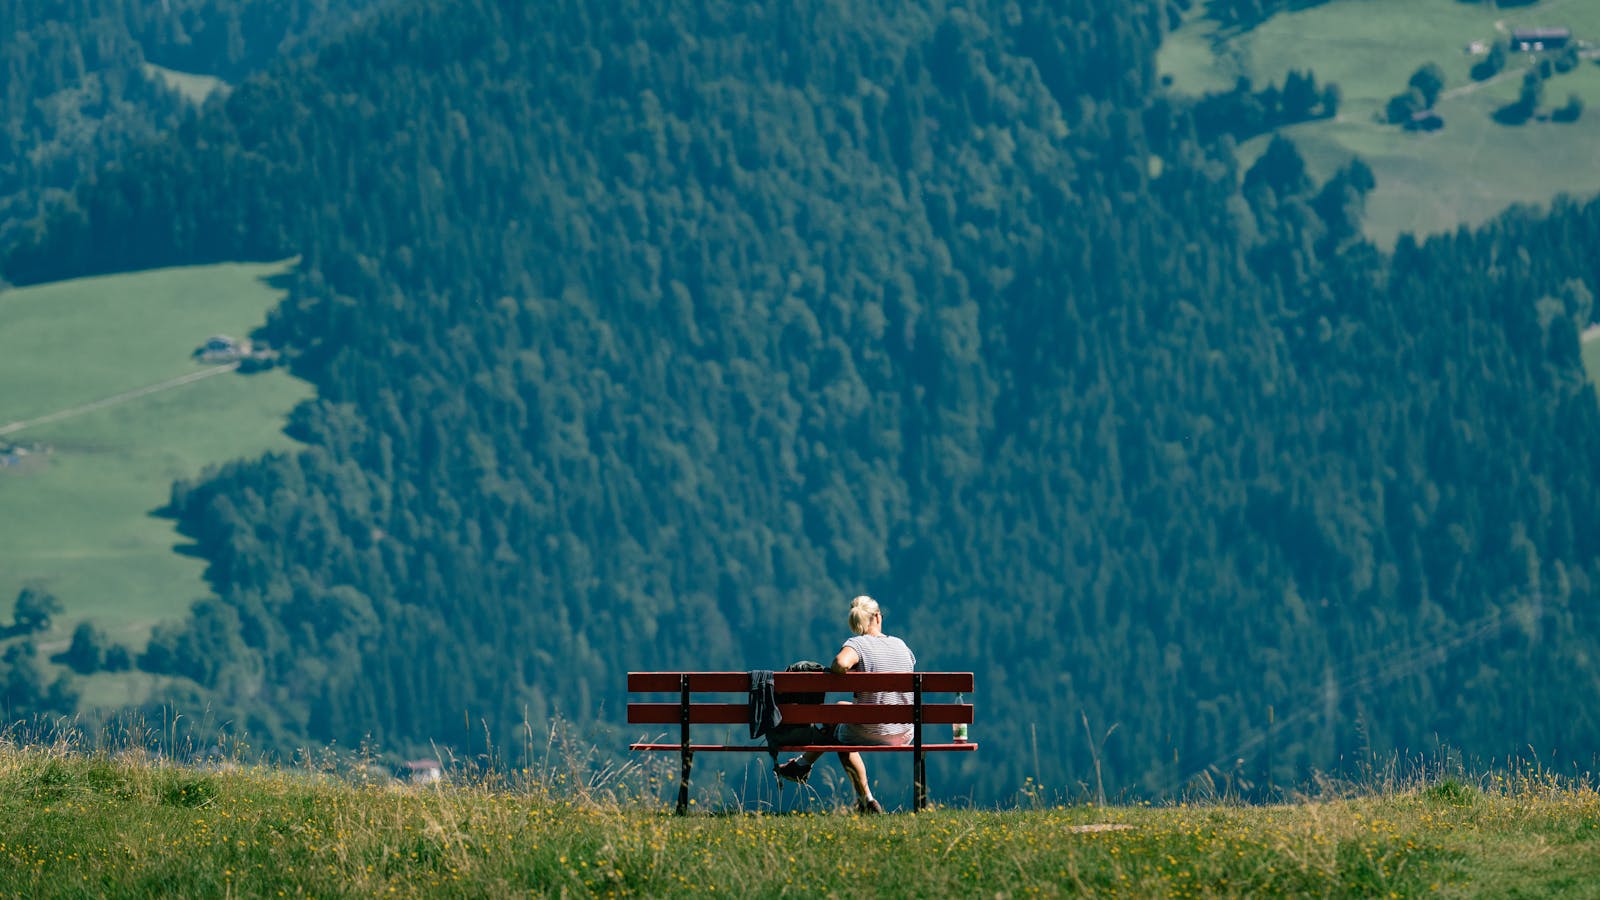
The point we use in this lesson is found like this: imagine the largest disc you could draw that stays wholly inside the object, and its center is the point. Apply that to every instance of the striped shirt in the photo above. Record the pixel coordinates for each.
(883, 653)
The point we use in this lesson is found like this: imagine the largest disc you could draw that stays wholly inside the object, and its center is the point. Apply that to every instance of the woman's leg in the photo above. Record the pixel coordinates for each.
(855, 768)
(799, 768)
(855, 764)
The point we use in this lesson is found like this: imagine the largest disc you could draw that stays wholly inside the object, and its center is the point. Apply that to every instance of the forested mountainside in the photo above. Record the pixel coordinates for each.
(235, 38)
(646, 334)
(1245, 13)
(77, 94)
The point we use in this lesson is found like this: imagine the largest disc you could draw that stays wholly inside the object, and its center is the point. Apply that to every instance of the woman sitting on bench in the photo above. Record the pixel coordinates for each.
(869, 651)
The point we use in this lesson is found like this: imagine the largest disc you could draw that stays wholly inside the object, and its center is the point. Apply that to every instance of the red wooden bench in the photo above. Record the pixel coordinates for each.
(685, 710)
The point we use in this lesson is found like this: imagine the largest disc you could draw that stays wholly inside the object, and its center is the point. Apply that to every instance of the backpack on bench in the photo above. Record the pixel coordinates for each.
(786, 735)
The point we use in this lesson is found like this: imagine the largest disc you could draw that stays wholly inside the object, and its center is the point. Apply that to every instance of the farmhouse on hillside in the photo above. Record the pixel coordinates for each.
(18, 454)
(219, 348)
(251, 356)
(1532, 40)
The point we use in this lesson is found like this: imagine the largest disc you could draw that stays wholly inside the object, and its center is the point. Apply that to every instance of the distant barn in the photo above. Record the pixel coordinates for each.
(1530, 40)
(219, 348)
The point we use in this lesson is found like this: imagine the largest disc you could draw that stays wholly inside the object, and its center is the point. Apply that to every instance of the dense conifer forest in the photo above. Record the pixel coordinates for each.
(1245, 13)
(646, 334)
(78, 94)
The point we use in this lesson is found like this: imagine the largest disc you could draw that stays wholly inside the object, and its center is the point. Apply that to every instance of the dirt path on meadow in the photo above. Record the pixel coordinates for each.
(124, 397)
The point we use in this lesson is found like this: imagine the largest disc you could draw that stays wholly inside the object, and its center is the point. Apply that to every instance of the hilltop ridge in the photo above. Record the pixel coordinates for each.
(134, 828)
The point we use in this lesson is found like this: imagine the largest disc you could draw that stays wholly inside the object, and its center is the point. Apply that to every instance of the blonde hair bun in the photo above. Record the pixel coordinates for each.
(862, 609)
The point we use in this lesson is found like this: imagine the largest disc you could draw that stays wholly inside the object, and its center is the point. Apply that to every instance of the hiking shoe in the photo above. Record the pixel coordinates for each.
(869, 807)
(794, 770)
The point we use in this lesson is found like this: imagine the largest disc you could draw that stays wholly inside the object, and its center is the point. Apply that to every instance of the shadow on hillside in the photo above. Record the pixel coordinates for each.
(1513, 114)
(280, 281)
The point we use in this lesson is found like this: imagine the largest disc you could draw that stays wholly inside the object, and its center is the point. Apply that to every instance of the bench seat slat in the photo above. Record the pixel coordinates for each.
(798, 682)
(806, 748)
(805, 713)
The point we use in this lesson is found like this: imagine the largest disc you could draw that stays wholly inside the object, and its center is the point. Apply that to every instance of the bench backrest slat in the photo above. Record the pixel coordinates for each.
(800, 682)
(803, 713)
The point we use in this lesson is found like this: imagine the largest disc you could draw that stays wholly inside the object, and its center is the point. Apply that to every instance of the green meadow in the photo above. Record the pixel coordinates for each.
(99, 360)
(1463, 174)
(194, 88)
(130, 825)
(1591, 355)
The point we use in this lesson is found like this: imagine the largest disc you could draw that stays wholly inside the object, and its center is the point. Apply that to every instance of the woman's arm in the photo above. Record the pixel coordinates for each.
(847, 659)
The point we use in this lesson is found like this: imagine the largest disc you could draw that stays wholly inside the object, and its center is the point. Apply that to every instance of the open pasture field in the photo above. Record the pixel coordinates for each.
(1591, 354)
(1428, 182)
(75, 825)
(75, 513)
(194, 88)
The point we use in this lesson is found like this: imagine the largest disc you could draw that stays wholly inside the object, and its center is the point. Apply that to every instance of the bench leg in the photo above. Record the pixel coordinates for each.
(684, 752)
(683, 782)
(919, 772)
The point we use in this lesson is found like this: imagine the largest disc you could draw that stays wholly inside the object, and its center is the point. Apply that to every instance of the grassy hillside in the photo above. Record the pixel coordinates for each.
(78, 826)
(1427, 182)
(77, 511)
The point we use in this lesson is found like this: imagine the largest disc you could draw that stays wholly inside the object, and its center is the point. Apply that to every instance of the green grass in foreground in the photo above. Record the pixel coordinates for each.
(1427, 183)
(78, 519)
(77, 825)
